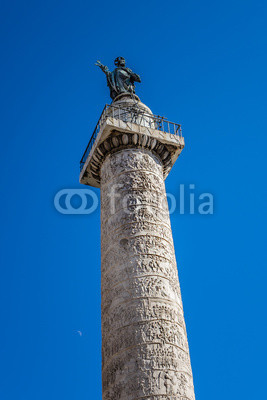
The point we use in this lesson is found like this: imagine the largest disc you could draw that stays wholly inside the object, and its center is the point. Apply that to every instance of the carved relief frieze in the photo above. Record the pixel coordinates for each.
(141, 310)
(136, 266)
(144, 343)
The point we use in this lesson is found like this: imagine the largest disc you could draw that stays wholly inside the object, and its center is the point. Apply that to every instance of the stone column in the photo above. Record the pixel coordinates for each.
(145, 352)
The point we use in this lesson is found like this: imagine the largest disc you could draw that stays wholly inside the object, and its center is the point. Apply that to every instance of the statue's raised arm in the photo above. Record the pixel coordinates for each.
(103, 67)
(121, 80)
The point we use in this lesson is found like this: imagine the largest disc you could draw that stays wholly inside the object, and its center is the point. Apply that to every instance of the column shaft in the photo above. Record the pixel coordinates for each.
(144, 345)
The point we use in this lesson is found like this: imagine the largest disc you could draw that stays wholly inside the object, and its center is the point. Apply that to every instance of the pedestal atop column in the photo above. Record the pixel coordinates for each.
(128, 123)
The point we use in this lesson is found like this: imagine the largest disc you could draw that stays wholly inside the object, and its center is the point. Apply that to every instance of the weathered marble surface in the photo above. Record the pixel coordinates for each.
(144, 344)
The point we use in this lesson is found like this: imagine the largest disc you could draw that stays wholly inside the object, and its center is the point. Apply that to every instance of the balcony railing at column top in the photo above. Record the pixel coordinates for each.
(133, 115)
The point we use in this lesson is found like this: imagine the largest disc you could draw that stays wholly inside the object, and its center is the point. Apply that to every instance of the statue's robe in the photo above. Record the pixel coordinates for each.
(121, 80)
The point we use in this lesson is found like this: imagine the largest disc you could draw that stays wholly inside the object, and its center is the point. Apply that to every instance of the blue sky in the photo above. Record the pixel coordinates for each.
(203, 64)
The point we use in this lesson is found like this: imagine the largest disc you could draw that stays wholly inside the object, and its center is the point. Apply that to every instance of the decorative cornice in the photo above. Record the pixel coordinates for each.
(119, 141)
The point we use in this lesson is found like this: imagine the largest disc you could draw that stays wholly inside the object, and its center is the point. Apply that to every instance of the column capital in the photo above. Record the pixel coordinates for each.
(129, 123)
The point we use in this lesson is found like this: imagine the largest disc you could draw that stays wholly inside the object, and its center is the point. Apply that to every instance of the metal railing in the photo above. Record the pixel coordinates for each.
(133, 115)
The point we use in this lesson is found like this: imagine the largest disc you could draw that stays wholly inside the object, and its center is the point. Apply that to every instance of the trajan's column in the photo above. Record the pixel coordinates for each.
(145, 353)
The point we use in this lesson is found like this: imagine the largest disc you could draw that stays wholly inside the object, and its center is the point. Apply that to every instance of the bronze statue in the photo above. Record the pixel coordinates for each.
(121, 80)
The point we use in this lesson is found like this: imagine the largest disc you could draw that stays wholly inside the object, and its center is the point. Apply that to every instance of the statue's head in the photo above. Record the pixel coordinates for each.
(120, 62)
